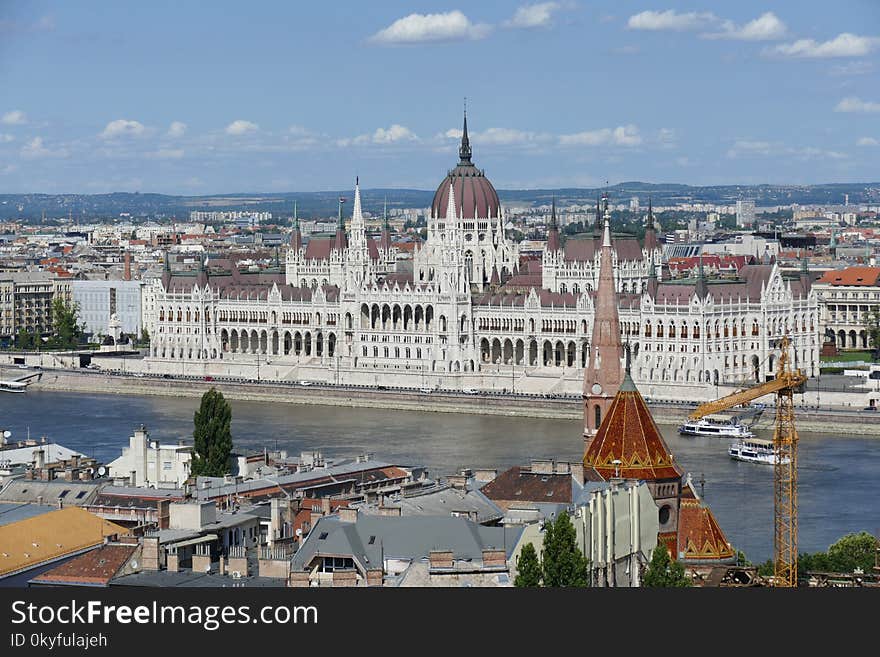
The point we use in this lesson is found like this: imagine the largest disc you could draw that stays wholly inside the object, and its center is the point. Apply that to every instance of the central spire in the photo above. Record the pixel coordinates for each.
(464, 151)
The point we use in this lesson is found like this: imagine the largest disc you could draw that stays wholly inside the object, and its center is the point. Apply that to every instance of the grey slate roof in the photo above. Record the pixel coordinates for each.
(441, 500)
(405, 538)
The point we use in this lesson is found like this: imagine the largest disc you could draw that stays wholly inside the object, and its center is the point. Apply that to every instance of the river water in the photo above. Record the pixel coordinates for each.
(838, 474)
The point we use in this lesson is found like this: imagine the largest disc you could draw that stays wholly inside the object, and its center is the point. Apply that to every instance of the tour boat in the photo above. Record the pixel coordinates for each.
(721, 426)
(754, 450)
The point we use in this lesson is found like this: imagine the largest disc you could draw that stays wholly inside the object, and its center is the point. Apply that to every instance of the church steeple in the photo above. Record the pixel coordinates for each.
(464, 151)
(650, 230)
(603, 374)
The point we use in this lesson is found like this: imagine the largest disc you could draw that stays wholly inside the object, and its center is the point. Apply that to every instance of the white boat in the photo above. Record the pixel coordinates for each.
(715, 425)
(755, 450)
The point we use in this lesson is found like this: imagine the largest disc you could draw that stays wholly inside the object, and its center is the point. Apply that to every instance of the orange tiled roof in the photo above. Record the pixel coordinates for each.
(629, 434)
(852, 276)
(44, 538)
(699, 536)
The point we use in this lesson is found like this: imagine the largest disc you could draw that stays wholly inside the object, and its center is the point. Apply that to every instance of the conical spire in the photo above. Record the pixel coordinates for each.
(603, 374)
(356, 210)
(464, 151)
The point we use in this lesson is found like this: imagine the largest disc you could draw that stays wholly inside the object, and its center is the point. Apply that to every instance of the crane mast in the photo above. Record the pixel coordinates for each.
(785, 441)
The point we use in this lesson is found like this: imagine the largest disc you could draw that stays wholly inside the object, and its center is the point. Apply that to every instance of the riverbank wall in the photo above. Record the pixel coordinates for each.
(828, 421)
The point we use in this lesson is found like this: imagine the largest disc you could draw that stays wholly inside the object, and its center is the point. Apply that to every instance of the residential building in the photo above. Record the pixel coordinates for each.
(99, 301)
(846, 298)
(147, 463)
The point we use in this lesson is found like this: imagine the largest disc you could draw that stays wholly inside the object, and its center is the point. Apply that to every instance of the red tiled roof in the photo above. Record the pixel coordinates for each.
(96, 567)
(859, 276)
(521, 485)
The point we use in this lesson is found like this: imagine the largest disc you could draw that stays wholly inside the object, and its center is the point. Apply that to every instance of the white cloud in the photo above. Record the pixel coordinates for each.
(843, 45)
(764, 28)
(5, 139)
(868, 141)
(35, 149)
(395, 133)
(15, 117)
(852, 68)
(425, 28)
(853, 104)
(241, 127)
(745, 147)
(670, 20)
(627, 135)
(506, 137)
(122, 128)
(176, 129)
(538, 15)
(777, 149)
(166, 154)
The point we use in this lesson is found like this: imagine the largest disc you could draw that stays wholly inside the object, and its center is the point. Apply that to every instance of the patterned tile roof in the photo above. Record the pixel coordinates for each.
(629, 434)
(699, 536)
(94, 568)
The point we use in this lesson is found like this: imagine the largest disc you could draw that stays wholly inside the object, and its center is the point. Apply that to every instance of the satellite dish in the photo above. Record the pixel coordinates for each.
(7, 434)
(102, 471)
(134, 564)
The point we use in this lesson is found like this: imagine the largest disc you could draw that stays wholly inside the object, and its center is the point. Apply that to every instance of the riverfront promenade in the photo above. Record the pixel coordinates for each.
(567, 407)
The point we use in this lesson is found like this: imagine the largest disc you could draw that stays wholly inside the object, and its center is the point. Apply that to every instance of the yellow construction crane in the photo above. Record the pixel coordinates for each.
(788, 381)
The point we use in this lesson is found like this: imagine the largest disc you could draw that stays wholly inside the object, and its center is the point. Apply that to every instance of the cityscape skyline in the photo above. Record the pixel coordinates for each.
(194, 103)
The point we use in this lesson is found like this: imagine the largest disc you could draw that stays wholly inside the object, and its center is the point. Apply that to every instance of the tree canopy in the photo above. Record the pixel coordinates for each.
(67, 332)
(212, 436)
(663, 572)
(528, 567)
(564, 564)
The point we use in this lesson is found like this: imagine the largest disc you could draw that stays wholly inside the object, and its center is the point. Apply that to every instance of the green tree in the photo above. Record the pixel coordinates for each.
(145, 336)
(564, 564)
(853, 551)
(212, 436)
(663, 572)
(24, 339)
(528, 568)
(64, 321)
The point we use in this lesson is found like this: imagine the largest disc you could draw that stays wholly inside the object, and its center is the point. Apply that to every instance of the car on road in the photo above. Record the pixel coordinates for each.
(870, 408)
(469, 391)
(305, 383)
(427, 391)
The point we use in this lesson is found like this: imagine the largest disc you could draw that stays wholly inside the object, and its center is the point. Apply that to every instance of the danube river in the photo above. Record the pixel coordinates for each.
(838, 474)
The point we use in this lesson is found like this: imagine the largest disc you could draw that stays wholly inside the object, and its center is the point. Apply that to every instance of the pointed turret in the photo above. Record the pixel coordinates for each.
(356, 215)
(496, 279)
(296, 240)
(341, 241)
(553, 232)
(603, 374)
(464, 151)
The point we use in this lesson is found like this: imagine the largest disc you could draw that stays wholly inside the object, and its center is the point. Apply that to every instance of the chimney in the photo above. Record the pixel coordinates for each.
(347, 515)
(127, 275)
(39, 458)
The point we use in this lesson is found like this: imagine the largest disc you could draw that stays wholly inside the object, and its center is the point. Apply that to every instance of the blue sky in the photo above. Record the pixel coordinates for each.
(292, 96)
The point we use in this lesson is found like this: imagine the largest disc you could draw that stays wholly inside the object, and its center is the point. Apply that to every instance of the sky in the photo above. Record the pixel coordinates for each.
(222, 97)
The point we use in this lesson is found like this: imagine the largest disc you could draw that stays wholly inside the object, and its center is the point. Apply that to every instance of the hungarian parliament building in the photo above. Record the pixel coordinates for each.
(467, 312)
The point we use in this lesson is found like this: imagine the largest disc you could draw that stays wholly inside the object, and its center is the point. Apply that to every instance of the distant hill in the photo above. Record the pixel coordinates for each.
(324, 204)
